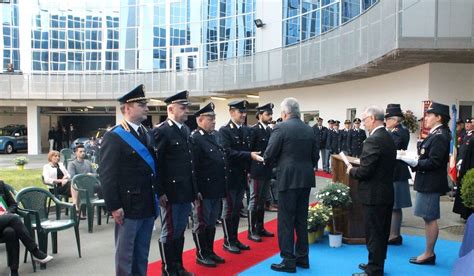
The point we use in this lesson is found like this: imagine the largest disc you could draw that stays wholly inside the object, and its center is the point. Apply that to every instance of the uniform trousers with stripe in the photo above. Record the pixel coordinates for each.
(232, 204)
(174, 218)
(204, 225)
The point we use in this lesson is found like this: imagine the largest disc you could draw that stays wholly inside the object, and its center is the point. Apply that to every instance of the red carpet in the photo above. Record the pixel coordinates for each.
(234, 263)
(323, 174)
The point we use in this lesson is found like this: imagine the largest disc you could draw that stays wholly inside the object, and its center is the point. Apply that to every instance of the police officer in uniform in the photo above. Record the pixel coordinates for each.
(210, 167)
(128, 177)
(322, 131)
(344, 137)
(463, 157)
(402, 199)
(333, 139)
(260, 174)
(356, 137)
(177, 182)
(327, 146)
(235, 139)
(431, 180)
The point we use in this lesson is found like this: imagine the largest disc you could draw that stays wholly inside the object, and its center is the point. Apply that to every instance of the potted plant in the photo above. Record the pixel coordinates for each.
(20, 162)
(467, 189)
(337, 197)
(318, 217)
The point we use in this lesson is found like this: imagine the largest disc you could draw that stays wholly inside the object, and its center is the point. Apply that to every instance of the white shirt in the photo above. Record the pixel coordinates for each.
(176, 123)
(264, 125)
(134, 126)
(373, 130)
(238, 126)
(435, 128)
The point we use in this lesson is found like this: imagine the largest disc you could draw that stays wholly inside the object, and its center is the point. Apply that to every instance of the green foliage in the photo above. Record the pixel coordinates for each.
(467, 189)
(20, 160)
(21, 179)
(335, 195)
(410, 121)
(318, 216)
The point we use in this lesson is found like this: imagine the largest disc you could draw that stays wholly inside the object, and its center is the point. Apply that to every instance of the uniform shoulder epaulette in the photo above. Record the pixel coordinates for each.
(160, 124)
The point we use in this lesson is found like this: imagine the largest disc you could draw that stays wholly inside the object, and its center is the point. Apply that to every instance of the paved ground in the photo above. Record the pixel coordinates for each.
(98, 247)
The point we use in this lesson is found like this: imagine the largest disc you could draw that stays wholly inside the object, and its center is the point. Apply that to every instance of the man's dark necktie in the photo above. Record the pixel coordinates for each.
(142, 135)
(183, 130)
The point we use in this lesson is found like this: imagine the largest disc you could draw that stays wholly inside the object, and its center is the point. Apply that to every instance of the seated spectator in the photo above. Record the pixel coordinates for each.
(12, 230)
(82, 166)
(55, 173)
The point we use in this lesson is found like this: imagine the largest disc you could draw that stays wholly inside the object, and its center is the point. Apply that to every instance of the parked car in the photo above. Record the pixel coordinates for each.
(13, 138)
(98, 134)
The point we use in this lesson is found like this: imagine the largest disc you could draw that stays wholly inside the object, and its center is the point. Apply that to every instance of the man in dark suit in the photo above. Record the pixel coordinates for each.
(260, 174)
(356, 137)
(176, 181)
(210, 166)
(375, 190)
(292, 148)
(128, 177)
(235, 139)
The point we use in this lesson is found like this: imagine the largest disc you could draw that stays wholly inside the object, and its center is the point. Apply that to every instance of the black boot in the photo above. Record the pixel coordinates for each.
(202, 253)
(235, 233)
(211, 233)
(252, 233)
(229, 240)
(260, 222)
(179, 245)
(167, 255)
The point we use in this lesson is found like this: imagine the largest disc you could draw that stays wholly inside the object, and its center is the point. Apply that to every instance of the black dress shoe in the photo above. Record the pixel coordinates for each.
(396, 241)
(282, 267)
(206, 262)
(428, 261)
(242, 246)
(254, 237)
(231, 248)
(302, 263)
(265, 233)
(217, 258)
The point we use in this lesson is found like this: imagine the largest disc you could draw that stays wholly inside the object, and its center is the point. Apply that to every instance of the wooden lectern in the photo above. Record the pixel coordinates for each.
(351, 223)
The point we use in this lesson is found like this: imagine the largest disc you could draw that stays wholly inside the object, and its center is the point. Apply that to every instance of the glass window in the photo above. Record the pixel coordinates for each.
(350, 9)
(291, 31)
(330, 18)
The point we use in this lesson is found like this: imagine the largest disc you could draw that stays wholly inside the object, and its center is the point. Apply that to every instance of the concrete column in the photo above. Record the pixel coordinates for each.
(34, 129)
(118, 115)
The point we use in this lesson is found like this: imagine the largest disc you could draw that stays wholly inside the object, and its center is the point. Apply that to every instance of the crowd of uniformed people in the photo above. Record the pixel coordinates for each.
(170, 173)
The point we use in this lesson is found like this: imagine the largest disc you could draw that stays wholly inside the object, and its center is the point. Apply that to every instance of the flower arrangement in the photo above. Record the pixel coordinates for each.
(318, 216)
(335, 195)
(410, 121)
(20, 160)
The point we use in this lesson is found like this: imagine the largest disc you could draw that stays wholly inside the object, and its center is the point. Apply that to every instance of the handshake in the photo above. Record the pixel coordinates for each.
(410, 159)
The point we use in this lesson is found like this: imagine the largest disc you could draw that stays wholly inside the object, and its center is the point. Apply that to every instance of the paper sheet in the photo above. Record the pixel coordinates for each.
(344, 158)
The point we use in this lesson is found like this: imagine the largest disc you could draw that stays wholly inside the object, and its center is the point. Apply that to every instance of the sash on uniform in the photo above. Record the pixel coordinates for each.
(137, 146)
(144, 154)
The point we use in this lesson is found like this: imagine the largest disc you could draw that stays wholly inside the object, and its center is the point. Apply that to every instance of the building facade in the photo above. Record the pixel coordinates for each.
(72, 59)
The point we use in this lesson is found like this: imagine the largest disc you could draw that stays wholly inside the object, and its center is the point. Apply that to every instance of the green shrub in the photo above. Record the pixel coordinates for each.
(467, 189)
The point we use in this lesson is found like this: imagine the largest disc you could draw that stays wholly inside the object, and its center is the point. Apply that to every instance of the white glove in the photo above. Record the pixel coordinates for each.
(348, 170)
(409, 161)
(458, 165)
